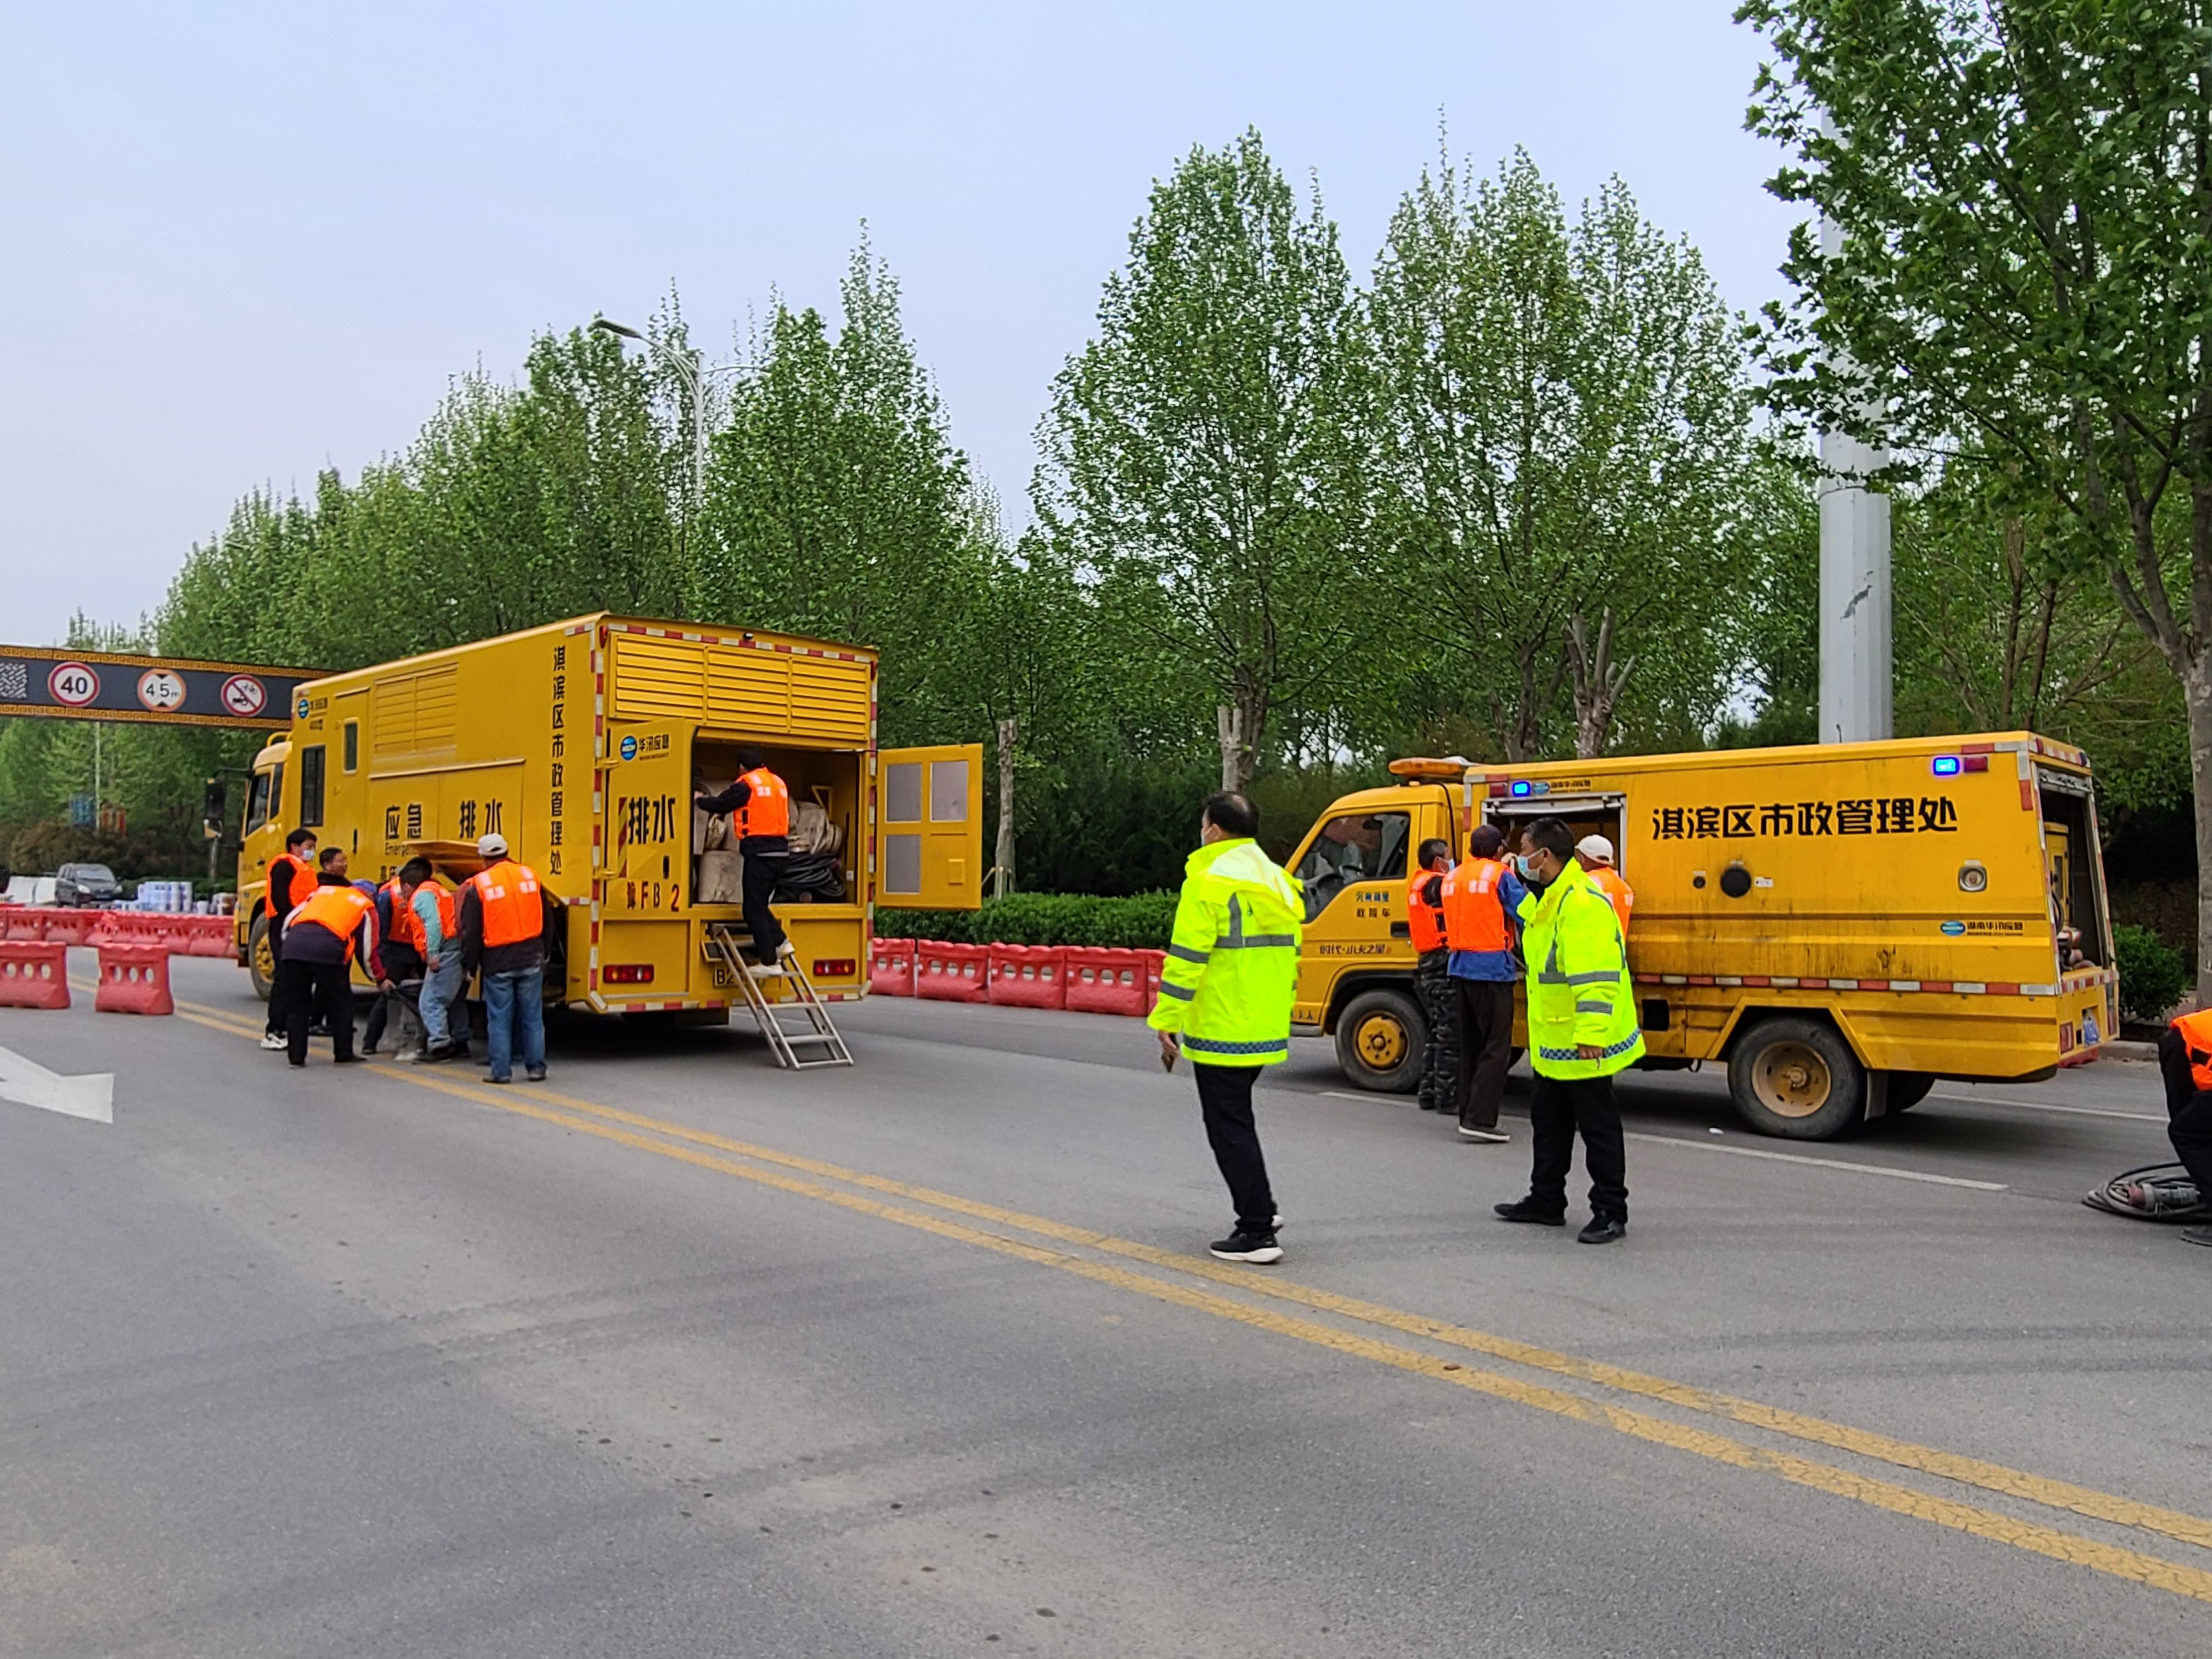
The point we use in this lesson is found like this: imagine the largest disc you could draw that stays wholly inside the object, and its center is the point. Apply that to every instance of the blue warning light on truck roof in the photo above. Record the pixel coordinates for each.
(1945, 766)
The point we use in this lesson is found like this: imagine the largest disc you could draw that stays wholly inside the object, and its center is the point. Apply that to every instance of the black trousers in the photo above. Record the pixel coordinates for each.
(1224, 1098)
(1485, 1048)
(1557, 1108)
(1440, 1087)
(762, 873)
(305, 985)
(2189, 1112)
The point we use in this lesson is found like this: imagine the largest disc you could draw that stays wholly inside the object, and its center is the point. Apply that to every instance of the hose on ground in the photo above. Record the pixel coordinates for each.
(2156, 1192)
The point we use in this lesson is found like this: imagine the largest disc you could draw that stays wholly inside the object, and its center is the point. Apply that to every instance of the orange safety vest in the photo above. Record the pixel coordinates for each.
(2195, 1031)
(512, 911)
(338, 909)
(303, 881)
(1424, 920)
(767, 812)
(407, 926)
(1607, 881)
(1475, 916)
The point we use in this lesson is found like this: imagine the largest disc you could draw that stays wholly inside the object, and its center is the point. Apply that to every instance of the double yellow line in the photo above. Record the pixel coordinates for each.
(852, 1190)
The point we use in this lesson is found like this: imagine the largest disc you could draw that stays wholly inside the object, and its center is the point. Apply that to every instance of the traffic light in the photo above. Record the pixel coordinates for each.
(211, 806)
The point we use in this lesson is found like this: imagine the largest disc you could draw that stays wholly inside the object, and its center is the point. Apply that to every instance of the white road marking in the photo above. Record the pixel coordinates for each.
(2051, 1106)
(29, 1084)
(1822, 1162)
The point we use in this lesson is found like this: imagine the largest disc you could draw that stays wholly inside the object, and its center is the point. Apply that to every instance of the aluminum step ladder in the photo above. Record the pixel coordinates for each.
(812, 1039)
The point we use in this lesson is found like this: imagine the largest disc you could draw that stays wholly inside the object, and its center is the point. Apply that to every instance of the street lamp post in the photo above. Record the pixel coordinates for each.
(695, 375)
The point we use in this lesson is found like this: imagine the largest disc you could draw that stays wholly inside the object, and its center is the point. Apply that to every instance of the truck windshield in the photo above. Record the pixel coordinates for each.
(1358, 846)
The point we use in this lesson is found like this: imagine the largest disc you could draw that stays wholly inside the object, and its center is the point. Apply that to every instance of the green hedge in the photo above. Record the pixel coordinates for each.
(1141, 922)
(2154, 976)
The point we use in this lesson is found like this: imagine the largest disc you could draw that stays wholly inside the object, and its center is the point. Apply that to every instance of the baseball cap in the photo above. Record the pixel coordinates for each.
(1595, 846)
(494, 846)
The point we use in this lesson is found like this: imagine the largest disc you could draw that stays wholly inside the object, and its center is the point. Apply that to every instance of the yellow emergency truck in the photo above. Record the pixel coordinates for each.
(582, 742)
(1840, 924)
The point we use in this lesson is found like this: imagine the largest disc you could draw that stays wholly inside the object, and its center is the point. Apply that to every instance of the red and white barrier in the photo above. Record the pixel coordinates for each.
(951, 973)
(890, 967)
(1106, 982)
(34, 975)
(1028, 975)
(134, 979)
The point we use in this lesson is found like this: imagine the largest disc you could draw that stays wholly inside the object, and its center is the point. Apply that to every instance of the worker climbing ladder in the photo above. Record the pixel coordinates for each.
(797, 1046)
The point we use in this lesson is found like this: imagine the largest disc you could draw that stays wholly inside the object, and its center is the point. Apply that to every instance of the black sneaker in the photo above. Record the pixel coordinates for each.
(1259, 1249)
(345, 1059)
(1523, 1210)
(1603, 1230)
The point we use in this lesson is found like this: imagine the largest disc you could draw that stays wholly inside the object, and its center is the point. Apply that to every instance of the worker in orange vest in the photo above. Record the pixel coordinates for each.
(1482, 901)
(1595, 856)
(760, 805)
(1424, 925)
(428, 918)
(2185, 1060)
(502, 918)
(289, 879)
(322, 935)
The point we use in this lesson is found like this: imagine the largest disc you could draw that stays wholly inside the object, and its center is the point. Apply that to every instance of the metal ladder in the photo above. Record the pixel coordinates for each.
(818, 1036)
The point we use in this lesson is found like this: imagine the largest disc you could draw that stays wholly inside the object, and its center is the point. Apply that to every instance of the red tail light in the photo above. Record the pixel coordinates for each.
(833, 968)
(631, 973)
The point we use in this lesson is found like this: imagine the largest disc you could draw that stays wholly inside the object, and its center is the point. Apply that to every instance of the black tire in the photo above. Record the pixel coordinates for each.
(1380, 1036)
(1908, 1089)
(1796, 1078)
(258, 959)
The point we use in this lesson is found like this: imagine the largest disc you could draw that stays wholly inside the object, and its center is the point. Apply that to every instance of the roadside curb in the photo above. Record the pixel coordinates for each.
(2119, 1048)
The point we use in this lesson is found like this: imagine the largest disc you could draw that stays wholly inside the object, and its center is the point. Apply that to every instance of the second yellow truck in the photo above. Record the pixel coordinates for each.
(1839, 926)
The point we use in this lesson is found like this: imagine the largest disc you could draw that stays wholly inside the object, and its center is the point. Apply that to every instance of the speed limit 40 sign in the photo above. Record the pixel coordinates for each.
(74, 684)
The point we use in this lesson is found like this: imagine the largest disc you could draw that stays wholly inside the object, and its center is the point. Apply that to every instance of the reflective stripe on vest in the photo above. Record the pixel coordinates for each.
(767, 810)
(1475, 916)
(512, 911)
(303, 879)
(2195, 1031)
(339, 909)
(1425, 921)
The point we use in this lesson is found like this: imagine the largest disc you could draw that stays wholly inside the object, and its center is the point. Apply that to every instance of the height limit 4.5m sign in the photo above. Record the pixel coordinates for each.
(99, 685)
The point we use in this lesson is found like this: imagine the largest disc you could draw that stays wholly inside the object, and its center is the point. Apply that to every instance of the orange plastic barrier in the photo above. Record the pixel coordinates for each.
(134, 979)
(34, 975)
(951, 973)
(1028, 975)
(71, 927)
(1106, 982)
(890, 967)
(20, 922)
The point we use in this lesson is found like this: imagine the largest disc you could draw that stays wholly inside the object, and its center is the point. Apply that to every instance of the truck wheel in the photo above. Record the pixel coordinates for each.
(260, 959)
(1796, 1078)
(1379, 1039)
(1908, 1089)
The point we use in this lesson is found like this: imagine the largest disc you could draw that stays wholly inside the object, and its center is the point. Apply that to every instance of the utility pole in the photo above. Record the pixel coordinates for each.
(1856, 659)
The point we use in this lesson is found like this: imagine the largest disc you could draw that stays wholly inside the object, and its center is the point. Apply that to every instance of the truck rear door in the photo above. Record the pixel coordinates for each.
(929, 827)
(648, 820)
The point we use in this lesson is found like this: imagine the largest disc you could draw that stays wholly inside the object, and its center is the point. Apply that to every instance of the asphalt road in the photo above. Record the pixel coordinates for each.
(679, 1355)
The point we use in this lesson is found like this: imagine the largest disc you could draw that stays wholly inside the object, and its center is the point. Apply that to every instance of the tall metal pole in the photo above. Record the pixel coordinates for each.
(691, 368)
(1857, 661)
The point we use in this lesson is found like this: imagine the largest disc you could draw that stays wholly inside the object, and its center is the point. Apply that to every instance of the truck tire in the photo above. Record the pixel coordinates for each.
(1908, 1089)
(1379, 1039)
(1796, 1078)
(260, 960)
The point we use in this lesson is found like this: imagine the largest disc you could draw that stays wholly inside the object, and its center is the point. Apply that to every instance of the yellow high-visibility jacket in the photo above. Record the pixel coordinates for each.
(1232, 966)
(1579, 992)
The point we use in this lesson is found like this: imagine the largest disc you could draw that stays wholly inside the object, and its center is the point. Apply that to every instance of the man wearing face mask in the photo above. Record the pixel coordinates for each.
(1582, 1029)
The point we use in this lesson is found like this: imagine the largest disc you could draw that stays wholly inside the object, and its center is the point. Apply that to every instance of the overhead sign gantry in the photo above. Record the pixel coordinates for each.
(100, 685)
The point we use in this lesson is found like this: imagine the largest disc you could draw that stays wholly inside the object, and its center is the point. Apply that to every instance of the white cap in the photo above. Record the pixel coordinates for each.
(494, 846)
(1595, 848)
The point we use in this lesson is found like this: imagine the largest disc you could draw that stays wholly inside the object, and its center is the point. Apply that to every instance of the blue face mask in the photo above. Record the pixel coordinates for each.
(1521, 863)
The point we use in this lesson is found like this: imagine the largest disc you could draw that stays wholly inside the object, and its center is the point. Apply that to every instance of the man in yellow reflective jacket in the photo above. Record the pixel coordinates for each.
(1582, 1029)
(1224, 1001)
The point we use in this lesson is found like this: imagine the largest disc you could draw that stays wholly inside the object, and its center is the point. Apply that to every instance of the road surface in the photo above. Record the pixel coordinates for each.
(678, 1355)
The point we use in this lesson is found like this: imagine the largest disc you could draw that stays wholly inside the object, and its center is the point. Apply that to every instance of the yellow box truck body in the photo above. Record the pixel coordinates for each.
(1841, 924)
(582, 742)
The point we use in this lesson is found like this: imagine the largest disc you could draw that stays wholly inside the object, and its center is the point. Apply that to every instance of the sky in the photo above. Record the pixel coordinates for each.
(241, 244)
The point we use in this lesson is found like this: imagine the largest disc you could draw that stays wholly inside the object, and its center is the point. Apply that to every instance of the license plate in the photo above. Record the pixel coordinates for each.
(723, 978)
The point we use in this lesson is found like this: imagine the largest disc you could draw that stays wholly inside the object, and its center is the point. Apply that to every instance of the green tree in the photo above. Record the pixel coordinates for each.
(2028, 281)
(1195, 463)
(1563, 440)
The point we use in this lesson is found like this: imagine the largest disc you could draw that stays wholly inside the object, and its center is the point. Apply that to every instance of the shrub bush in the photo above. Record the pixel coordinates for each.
(1141, 922)
(2154, 976)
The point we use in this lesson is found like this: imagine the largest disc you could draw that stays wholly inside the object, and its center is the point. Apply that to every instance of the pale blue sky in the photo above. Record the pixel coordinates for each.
(244, 242)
